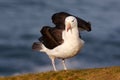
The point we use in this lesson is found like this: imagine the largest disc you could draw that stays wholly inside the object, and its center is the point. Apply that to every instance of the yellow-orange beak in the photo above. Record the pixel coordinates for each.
(68, 26)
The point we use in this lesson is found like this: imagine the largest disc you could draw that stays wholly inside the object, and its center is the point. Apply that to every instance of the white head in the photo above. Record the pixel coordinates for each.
(70, 23)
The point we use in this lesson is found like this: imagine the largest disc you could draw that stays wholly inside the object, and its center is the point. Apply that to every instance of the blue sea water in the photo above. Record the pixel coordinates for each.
(21, 21)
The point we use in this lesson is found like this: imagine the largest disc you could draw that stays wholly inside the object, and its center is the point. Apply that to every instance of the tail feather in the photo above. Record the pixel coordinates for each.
(37, 46)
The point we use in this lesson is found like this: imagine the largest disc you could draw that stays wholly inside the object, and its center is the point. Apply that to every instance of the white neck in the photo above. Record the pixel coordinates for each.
(74, 31)
(72, 34)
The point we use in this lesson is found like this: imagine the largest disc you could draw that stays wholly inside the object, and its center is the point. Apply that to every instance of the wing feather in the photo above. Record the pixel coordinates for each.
(59, 20)
(51, 37)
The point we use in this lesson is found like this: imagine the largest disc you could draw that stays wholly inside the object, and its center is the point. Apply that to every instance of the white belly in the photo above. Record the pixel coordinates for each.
(67, 49)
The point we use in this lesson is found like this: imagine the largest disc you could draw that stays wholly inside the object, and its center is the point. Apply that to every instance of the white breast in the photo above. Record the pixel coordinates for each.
(69, 48)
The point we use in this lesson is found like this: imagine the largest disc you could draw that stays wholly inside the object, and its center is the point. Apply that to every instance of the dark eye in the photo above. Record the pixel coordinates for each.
(72, 20)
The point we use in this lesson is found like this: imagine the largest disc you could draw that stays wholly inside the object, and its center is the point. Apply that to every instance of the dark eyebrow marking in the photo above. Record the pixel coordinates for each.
(73, 20)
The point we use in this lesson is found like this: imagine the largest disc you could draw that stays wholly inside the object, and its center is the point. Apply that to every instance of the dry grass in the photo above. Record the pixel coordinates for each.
(110, 73)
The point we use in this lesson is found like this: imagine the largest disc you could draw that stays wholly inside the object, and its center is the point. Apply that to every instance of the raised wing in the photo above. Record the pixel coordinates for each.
(59, 20)
(51, 37)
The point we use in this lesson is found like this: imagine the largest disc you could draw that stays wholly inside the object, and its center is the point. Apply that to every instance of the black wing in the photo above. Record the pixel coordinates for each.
(51, 37)
(59, 20)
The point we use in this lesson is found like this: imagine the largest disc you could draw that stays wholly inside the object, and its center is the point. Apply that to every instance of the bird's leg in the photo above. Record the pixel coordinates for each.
(53, 63)
(63, 62)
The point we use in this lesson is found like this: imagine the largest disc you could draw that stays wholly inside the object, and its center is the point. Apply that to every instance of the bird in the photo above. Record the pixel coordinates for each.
(62, 41)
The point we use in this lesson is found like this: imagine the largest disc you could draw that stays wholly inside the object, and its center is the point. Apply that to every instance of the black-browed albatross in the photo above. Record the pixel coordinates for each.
(62, 41)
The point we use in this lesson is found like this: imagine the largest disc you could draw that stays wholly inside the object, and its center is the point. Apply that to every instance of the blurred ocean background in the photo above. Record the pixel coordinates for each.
(21, 21)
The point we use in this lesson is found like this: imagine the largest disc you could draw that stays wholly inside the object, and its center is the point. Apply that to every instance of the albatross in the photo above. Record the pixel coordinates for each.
(62, 41)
